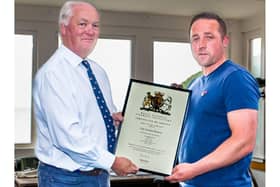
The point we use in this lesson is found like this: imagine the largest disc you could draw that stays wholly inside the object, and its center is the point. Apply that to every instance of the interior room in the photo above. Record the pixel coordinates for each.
(146, 40)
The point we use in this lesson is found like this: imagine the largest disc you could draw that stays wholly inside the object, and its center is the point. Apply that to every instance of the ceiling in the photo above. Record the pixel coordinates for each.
(234, 9)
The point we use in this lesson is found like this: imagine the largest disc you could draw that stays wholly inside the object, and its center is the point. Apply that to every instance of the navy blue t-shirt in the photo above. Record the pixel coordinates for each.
(230, 87)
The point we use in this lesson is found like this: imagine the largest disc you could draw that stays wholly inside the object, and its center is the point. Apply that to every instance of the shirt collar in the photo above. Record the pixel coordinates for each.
(70, 56)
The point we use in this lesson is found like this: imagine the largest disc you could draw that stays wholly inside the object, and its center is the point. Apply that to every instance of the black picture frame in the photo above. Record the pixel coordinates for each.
(154, 116)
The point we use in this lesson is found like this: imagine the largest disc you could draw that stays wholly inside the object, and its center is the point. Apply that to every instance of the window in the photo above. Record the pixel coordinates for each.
(23, 87)
(255, 57)
(114, 55)
(173, 62)
(256, 68)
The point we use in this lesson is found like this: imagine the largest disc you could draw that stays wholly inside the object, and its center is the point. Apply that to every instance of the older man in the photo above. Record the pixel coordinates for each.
(74, 109)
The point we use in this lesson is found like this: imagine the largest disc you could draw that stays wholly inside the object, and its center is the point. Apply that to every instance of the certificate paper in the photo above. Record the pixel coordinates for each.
(153, 120)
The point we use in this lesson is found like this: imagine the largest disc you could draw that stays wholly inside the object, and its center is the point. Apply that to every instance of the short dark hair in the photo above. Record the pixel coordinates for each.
(210, 15)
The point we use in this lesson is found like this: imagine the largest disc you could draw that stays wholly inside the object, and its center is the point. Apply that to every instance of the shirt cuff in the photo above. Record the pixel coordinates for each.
(106, 160)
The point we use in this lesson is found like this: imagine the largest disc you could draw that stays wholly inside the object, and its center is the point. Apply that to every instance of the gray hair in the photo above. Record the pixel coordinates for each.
(66, 11)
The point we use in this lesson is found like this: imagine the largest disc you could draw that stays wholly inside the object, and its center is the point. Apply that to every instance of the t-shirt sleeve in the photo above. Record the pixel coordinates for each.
(241, 91)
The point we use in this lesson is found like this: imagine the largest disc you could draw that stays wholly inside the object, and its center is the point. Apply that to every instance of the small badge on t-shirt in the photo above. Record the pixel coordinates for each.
(204, 92)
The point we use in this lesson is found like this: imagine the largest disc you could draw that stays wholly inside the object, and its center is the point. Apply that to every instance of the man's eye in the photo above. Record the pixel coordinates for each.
(194, 39)
(82, 24)
(209, 37)
(95, 25)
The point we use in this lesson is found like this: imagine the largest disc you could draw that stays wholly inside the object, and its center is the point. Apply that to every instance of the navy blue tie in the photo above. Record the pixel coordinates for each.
(111, 139)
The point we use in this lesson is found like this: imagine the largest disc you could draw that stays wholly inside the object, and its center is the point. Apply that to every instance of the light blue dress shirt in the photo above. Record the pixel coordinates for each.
(71, 133)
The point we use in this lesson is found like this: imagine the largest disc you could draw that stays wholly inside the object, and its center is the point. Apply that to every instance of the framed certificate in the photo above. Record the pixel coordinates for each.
(153, 121)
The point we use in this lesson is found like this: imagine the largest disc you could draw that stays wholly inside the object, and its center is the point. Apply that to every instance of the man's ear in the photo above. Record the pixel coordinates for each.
(226, 41)
(62, 29)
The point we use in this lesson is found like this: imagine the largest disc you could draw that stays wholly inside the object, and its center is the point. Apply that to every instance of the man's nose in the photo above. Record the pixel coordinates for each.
(202, 43)
(91, 29)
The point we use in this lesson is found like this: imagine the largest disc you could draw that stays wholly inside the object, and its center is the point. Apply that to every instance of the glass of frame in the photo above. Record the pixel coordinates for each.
(150, 133)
